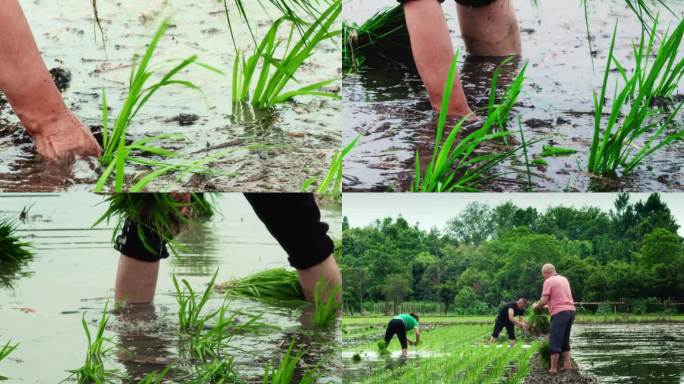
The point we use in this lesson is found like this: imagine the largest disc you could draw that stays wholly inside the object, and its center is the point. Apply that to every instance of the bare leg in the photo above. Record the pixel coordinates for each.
(433, 53)
(404, 352)
(309, 277)
(136, 281)
(511, 343)
(567, 363)
(492, 340)
(25, 80)
(490, 31)
(554, 364)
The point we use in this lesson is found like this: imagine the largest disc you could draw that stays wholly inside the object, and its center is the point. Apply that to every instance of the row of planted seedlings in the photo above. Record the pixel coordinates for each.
(264, 79)
(205, 333)
(641, 121)
(465, 356)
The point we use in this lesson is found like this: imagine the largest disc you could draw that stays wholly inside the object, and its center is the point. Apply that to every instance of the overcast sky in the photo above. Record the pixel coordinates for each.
(433, 210)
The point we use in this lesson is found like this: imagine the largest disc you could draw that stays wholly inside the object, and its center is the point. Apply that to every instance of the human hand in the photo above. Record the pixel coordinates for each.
(65, 136)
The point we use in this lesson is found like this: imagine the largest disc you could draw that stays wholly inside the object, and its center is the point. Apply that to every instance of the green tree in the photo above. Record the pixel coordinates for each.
(396, 287)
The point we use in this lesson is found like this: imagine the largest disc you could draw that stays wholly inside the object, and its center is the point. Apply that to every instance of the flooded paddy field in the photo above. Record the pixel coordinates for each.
(73, 270)
(271, 150)
(605, 353)
(389, 109)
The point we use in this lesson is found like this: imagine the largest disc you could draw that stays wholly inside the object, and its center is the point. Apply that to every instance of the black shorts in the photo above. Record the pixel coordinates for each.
(396, 327)
(465, 3)
(559, 332)
(501, 324)
(293, 219)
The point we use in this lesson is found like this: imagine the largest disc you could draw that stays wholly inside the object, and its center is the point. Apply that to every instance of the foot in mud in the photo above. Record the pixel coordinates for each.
(64, 137)
(540, 374)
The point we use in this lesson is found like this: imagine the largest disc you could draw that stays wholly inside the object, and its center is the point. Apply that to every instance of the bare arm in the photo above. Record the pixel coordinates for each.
(511, 317)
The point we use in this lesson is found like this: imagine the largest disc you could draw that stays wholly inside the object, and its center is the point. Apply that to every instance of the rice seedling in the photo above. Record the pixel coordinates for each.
(156, 377)
(164, 213)
(191, 306)
(12, 248)
(356, 358)
(545, 352)
(93, 369)
(540, 162)
(284, 373)
(221, 371)
(331, 185)
(381, 39)
(273, 69)
(116, 151)
(6, 349)
(553, 151)
(326, 303)
(626, 139)
(538, 322)
(452, 166)
(276, 285)
(382, 347)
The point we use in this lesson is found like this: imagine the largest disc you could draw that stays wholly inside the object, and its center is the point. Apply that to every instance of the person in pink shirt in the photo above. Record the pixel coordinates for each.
(558, 296)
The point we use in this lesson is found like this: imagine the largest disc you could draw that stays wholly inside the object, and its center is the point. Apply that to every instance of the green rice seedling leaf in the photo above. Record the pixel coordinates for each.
(220, 371)
(284, 372)
(191, 318)
(552, 151)
(326, 303)
(272, 285)
(541, 162)
(156, 377)
(331, 185)
(538, 322)
(7, 349)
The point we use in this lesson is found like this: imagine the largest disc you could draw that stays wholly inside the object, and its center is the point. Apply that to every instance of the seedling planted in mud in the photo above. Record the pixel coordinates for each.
(453, 165)
(116, 151)
(625, 140)
(331, 185)
(273, 69)
(284, 373)
(191, 306)
(155, 377)
(326, 303)
(12, 248)
(165, 214)
(220, 371)
(93, 369)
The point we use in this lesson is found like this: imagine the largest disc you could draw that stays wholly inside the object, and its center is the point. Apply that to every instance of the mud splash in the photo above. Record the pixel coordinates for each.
(388, 107)
(272, 151)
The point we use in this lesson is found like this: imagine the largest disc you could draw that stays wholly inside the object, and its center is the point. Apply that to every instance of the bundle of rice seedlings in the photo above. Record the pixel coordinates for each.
(381, 39)
(538, 322)
(272, 285)
(164, 213)
(356, 358)
(382, 347)
(12, 248)
(545, 352)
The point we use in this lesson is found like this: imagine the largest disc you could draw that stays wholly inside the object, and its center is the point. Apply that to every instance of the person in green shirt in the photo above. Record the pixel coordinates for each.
(399, 325)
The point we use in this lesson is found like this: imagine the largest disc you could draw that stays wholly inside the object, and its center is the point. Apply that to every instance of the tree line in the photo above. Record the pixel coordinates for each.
(488, 255)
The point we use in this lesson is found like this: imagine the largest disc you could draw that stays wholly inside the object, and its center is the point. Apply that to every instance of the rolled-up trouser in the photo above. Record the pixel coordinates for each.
(293, 219)
(396, 327)
(465, 3)
(559, 332)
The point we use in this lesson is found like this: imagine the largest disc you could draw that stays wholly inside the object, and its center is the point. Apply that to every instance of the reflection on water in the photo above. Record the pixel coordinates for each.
(73, 272)
(631, 353)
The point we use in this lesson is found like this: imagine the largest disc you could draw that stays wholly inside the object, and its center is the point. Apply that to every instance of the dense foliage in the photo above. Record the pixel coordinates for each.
(488, 255)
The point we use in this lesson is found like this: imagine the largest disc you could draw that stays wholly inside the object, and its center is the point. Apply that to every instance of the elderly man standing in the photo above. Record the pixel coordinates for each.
(557, 295)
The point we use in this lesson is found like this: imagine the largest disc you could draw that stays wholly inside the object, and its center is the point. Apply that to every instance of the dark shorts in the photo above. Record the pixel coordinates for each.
(501, 324)
(465, 3)
(559, 332)
(293, 219)
(396, 327)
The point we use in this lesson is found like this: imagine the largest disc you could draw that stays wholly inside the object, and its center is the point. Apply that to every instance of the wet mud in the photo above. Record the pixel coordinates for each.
(389, 109)
(539, 374)
(273, 150)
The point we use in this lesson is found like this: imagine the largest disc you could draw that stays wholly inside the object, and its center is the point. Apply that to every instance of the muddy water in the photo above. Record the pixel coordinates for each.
(290, 144)
(631, 353)
(389, 107)
(73, 273)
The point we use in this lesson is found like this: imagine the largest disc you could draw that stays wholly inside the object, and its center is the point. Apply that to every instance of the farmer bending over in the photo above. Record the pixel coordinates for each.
(558, 296)
(489, 28)
(292, 218)
(399, 325)
(31, 92)
(506, 319)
